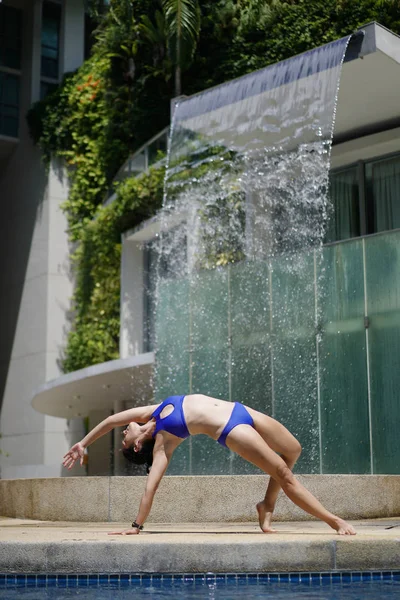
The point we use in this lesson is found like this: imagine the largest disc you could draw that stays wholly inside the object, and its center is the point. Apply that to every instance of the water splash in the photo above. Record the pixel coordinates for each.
(244, 216)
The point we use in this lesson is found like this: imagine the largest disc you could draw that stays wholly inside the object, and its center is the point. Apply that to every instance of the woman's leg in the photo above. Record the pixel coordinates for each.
(246, 442)
(282, 441)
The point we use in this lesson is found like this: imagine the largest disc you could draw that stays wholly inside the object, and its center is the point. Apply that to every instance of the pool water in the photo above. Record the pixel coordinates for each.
(212, 587)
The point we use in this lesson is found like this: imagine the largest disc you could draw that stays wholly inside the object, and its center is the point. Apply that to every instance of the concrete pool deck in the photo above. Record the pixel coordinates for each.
(30, 546)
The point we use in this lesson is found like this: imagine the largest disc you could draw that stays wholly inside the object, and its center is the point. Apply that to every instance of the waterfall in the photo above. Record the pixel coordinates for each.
(243, 221)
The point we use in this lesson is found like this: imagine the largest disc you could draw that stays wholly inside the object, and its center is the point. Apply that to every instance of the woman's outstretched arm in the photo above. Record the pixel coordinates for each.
(140, 414)
(158, 468)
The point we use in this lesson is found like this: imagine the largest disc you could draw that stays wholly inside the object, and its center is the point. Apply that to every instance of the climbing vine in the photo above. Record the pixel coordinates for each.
(95, 336)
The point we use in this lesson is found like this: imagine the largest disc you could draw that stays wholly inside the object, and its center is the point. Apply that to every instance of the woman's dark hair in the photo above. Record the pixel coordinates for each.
(143, 457)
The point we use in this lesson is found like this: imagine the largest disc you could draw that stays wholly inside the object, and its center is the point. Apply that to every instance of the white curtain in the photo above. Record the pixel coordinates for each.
(345, 220)
(385, 187)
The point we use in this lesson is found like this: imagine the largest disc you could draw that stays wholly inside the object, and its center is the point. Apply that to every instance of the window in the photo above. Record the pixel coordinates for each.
(365, 198)
(344, 194)
(383, 194)
(51, 20)
(9, 104)
(10, 37)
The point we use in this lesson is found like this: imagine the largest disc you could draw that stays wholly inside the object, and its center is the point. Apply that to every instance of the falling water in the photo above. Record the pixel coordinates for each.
(244, 217)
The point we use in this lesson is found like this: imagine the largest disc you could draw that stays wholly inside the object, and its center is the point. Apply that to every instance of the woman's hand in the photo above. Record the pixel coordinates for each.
(76, 452)
(132, 531)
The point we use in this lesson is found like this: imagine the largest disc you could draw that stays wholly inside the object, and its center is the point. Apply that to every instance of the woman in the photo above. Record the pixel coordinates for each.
(254, 436)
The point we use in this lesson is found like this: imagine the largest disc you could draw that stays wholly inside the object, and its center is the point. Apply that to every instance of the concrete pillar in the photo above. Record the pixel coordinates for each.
(132, 299)
(119, 460)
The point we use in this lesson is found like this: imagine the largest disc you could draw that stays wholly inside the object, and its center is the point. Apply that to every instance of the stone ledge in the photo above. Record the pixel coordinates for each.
(46, 547)
(194, 499)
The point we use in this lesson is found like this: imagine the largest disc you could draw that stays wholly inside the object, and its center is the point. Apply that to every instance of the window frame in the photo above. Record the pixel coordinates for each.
(365, 203)
(13, 72)
(46, 78)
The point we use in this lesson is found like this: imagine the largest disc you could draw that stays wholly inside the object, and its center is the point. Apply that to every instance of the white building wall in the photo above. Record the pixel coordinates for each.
(35, 278)
(132, 299)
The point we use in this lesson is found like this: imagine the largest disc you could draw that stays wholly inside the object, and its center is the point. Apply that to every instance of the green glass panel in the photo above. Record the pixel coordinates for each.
(343, 362)
(249, 303)
(180, 461)
(172, 333)
(172, 317)
(209, 457)
(209, 309)
(251, 377)
(171, 380)
(210, 372)
(293, 344)
(383, 305)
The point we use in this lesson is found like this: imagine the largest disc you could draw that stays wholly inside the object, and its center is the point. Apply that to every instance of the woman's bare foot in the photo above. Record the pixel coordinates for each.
(342, 527)
(264, 518)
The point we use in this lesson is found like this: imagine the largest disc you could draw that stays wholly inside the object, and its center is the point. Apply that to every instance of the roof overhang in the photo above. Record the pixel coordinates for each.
(369, 92)
(367, 102)
(99, 387)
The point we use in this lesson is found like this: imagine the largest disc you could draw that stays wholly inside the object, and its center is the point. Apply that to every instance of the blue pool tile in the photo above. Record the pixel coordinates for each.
(93, 579)
(376, 575)
(72, 580)
(294, 577)
(124, 579)
(366, 576)
(326, 579)
(346, 577)
(82, 580)
(356, 576)
(11, 580)
(51, 580)
(274, 577)
(336, 577)
(62, 581)
(31, 580)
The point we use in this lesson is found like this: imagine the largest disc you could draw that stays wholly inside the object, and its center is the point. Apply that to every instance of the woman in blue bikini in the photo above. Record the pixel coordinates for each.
(256, 437)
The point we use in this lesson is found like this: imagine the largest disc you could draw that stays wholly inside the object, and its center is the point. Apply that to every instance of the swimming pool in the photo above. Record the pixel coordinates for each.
(279, 586)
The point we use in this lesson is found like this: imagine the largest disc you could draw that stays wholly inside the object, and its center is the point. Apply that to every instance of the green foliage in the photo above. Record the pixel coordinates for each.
(95, 335)
(120, 98)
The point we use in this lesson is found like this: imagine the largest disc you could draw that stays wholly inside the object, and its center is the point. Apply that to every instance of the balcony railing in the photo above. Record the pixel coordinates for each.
(151, 153)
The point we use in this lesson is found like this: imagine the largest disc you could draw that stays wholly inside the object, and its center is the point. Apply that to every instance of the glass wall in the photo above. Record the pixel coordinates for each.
(322, 358)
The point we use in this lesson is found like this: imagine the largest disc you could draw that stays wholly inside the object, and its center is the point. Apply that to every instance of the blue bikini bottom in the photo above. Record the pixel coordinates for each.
(239, 416)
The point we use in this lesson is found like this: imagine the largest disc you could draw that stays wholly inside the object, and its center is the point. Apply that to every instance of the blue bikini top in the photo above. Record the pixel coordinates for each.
(175, 422)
